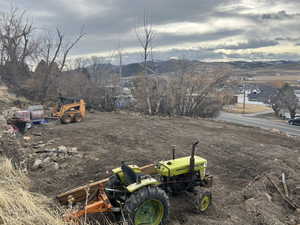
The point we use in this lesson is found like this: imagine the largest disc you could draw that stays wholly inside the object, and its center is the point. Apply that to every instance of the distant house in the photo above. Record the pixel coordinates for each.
(262, 93)
(297, 93)
(124, 101)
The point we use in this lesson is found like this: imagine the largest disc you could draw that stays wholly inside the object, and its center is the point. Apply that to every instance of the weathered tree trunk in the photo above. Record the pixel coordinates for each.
(292, 113)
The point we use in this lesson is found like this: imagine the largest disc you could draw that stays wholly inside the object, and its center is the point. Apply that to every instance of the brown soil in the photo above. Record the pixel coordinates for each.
(236, 155)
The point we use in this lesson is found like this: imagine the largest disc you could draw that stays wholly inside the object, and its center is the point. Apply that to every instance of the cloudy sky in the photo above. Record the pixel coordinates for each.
(208, 30)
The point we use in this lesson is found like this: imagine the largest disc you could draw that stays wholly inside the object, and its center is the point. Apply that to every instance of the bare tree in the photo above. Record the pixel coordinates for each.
(68, 47)
(191, 92)
(194, 91)
(15, 31)
(145, 37)
(120, 56)
(17, 45)
(54, 51)
(100, 70)
(78, 64)
(157, 88)
(56, 48)
(285, 99)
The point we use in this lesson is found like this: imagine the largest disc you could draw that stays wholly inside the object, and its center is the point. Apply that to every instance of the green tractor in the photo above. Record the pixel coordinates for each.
(142, 195)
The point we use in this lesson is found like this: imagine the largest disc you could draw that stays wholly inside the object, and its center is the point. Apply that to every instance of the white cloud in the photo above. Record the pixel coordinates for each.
(83, 8)
(260, 6)
(210, 26)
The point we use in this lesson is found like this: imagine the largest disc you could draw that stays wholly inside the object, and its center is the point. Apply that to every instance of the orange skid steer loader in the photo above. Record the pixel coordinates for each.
(69, 110)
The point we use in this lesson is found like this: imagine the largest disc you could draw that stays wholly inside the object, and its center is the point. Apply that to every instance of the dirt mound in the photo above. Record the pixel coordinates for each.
(238, 157)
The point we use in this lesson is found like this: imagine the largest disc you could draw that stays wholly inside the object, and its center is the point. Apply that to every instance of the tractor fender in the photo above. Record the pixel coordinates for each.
(143, 183)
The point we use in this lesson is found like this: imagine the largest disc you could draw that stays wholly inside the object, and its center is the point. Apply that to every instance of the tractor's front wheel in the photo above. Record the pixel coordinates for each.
(149, 205)
(203, 201)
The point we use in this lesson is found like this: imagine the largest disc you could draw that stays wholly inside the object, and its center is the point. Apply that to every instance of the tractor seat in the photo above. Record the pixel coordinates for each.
(131, 176)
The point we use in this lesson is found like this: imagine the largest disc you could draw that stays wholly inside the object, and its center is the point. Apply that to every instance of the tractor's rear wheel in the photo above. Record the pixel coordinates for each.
(203, 201)
(149, 205)
(66, 119)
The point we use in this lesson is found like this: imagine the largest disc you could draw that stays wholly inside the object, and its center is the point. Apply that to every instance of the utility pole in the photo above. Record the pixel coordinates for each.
(244, 100)
(120, 65)
(120, 62)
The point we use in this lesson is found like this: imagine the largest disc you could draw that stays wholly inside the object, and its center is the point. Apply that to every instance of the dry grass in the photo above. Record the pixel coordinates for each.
(249, 108)
(278, 78)
(18, 206)
(291, 79)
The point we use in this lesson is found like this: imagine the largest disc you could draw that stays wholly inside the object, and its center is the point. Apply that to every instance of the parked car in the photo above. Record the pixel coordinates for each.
(295, 121)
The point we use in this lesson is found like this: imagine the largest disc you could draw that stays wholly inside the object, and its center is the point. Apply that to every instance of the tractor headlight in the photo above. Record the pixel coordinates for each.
(205, 165)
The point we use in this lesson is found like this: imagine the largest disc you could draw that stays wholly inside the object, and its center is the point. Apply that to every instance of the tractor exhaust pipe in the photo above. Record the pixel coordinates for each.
(192, 159)
(173, 151)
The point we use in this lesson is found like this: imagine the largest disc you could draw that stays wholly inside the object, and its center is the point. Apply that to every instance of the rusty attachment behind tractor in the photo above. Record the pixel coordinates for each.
(100, 205)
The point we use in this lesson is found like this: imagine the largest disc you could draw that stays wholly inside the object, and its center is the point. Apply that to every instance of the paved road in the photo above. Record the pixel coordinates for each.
(258, 122)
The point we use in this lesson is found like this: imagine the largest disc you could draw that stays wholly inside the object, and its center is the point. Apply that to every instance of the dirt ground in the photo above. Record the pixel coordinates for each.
(238, 158)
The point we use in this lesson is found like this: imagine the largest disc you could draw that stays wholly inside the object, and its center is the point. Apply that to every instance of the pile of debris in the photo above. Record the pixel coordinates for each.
(19, 120)
(266, 196)
(52, 157)
(35, 153)
(4, 116)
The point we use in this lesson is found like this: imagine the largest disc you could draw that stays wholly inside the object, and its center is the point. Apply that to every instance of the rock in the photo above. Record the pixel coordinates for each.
(55, 157)
(39, 146)
(37, 164)
(292, 221)
(27, 138)
(274, 130)
(37, 134)
(47, 160)
(55, 166)
(62, 148)
(64, 165)
(268, 197)
(51, 142)
(73, 150)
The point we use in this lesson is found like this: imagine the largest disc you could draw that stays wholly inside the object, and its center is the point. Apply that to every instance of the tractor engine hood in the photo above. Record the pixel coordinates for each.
(181, 166)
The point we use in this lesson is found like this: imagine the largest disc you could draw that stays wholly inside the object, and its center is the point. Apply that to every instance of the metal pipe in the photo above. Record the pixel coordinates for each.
(192, 159)
(173, 151)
